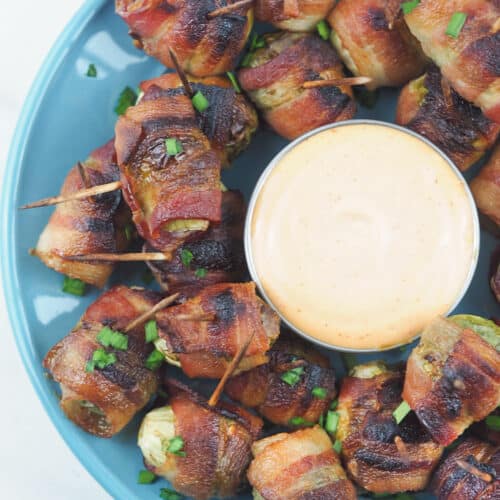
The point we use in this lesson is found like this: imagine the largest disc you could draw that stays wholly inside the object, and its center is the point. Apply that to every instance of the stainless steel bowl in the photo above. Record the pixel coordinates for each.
(274, 163)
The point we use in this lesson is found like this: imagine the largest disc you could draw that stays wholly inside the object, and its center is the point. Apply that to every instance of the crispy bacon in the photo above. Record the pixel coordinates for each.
(486, 188)
(275, 77)
(373, 40)
(216, 445)
(298, 466)
(218, 253)
(470, 61)
(203, 46)
(230, 120)
(293, 15)
(453, 378)
(471, 471)
(205, 332)
(160, 188)
(381, 455)
(91, 225)
(429, 106)
(103, 401)
(263, 388)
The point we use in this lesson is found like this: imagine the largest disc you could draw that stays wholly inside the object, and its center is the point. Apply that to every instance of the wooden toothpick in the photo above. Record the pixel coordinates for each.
(120, 257)
(149, 314)
(337, 82)
(228, 9)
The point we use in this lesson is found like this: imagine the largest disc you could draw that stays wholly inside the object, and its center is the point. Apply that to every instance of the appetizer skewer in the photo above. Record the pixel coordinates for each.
(453, 375)
(293, 15)
(471, 471)
(300, 465)
(429, 106)
(207, 40)
(383, 455)
(203, 334)
(373, 40)
(486, 188)
(462, 38)
(294, 389)
(275, 77)
(202, 450)
(104, 375)
(94, 224)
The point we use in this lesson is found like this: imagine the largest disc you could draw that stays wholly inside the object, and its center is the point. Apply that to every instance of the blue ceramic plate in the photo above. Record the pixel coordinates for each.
(65, 117)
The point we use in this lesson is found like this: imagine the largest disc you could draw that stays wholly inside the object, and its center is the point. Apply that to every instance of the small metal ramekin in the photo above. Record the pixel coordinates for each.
(262, 180)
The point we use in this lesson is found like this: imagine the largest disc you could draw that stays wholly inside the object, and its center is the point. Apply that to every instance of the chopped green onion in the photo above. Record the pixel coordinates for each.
(129, 231)
(91, 71)
(337, 446)
(234, 82)
(167, 494)
(201, 272)
(323, 30)
(146, 477)
(493, 422)
(334, 404)
(332, 422)
(319, 392)
(321, 420)
(401, 411)
(100, 359)
(186, 257)
(291, 377)
(73, 286)
(173, 146)
(147, 277)
(111, 338)
(151, 329)
(257, 42)
(154, 361)
(456, 24)
(407, 7)
(300, 421)
(175, 446)
(126, 99)
(245, 62)
(200, 102)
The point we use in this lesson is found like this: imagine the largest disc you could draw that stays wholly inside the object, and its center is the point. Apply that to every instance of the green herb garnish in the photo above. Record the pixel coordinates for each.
(186, 257)
(493, 422)
(407, 7)
(334, 404)
(175, 446)
(151, 330)
(111, 338)
(291, 377)
(401, 411)
(126, 99)
(234, 82)
(100, 359)
(154, 360)
(91, 71)
(146, 477)
(337, 446)
(173, 146)
(456, 24)
(319, 392)
(332, 422)
(200, 102)
(73, 286)
(323, 30)
(167, 494)
(201, 272)
(300, 421)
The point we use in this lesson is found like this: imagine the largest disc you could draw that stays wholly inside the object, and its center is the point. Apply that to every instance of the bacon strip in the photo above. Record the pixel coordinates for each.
(446, 119)
(300, 465)
(275, 77)
(230, 120)
(486, 188)
(381, 455)
(203, 46)
(160, 188)
(223, 315)
(452, 379)
(263, 388)
(302, 15)
(481, 460)
(470, 61)
(373, 40)
(92, 225)
(103, 401)
(217, 444)
(218, 251)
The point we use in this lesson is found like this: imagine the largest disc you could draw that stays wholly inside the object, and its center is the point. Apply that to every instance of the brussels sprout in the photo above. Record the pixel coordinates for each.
(170, 357)
(485, 328)
(368, 370)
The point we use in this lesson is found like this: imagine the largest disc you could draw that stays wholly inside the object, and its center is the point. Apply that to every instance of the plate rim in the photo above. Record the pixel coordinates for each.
(10, 281)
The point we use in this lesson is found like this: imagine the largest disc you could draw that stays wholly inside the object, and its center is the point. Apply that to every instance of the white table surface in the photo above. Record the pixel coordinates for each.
(35, 463)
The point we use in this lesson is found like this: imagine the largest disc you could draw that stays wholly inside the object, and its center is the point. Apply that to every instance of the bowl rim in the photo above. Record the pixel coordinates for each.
(10, 279)
(275, 162)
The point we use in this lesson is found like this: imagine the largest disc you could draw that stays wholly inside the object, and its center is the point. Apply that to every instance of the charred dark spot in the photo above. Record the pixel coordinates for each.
(412, 431)
(451, 481)
(121, 374)
(390, 391)
(488, 469)
(382, 428)
(217, 255)
(167, 7)
(379, 461)
(225, 306)
(485, 52)
(333, 98)
(376, 19)
(226, 32)
(94, 225)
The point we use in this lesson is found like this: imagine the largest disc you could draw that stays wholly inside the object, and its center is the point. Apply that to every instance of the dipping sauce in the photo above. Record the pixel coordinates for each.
(361, 234)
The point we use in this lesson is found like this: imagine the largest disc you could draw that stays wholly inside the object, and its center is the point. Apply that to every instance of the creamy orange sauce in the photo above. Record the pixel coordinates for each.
(361, 235)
